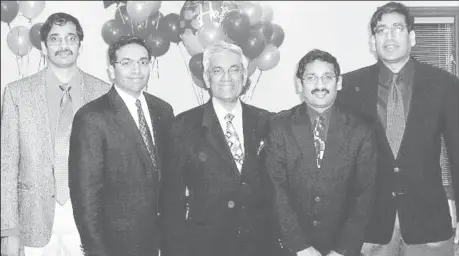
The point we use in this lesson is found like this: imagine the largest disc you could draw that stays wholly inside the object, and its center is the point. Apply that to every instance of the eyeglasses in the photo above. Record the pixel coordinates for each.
(383, 30)
(70, 39)
(232, 71)
(313, 79)
(128, 63)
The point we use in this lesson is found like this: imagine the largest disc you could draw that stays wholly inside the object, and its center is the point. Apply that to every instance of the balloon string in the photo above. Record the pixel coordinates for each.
(157, 21)
(255, 85)
(157, 67)
(19, 68)
(9, 26)
(196, 94)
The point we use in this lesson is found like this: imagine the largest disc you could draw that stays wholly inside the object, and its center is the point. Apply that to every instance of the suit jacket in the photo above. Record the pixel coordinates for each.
(228, 212)
(27, 155)
(326, 208)
(114, 185)
(422, 208)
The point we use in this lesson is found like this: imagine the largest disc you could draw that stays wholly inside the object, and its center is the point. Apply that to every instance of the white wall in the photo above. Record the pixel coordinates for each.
(338, 27)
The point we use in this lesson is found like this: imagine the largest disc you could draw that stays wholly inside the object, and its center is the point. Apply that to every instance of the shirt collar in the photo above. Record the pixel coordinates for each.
(127, 98)
(52, 80)
(385, 74)
(313, 114)
(222, 112)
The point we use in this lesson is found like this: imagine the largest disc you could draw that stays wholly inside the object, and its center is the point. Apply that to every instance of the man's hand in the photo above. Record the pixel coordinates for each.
(11, 246)
(310, 251)
(333, 253)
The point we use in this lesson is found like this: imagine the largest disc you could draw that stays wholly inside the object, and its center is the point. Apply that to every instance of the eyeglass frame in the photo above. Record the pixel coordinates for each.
(316, 78)
(239, 71)
(383, 30)
(59, 42)
(130, 63)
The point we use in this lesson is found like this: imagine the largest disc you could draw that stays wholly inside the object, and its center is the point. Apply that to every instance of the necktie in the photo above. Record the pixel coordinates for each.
(233, 141)
(395, 116)
(61, 146)
(319, 139)
(145, 132)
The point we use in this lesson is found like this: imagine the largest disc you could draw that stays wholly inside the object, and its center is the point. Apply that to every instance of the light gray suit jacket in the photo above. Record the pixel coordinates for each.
(27, 180)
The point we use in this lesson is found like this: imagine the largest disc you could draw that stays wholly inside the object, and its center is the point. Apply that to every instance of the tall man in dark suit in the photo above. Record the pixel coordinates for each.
(116, 159)
(214, 156)
(410, 105)
(322, 163)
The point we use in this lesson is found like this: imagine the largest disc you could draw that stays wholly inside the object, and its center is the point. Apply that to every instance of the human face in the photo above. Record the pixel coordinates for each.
(225, 76)
(131, 70)
(319, 85)
(62, 45)
(393, 45)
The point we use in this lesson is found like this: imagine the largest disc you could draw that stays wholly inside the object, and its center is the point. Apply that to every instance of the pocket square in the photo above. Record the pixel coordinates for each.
(260, 147)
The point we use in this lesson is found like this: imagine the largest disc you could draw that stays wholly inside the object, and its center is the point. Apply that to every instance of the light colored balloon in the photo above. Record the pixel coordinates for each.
(252, 10)
(18, 41)
(139, 11)
(31, 9)
(267, 13)
(209, 34)
(269, 58)
(191, 42)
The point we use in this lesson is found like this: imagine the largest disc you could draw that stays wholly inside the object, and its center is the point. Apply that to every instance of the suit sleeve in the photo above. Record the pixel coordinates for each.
(173, 195)
(10, 165)
(292, 237)
(86, 171)
(359, 209)
(451, 132)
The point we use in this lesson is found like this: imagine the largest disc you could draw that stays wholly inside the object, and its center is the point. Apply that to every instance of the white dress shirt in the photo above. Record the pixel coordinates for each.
(129, 100)
(237, 120)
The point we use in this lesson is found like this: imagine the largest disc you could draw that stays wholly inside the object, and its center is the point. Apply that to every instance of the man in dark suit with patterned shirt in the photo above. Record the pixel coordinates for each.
(322, 162)
(410, 105)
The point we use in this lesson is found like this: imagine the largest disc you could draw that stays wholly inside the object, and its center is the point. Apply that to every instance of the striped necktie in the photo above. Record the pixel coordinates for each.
(395, 116)
(145, 133)
(319, 139)
(233, 141)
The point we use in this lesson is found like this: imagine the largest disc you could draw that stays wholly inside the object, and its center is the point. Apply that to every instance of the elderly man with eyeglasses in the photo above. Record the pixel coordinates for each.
(36, 122)
(321, 160)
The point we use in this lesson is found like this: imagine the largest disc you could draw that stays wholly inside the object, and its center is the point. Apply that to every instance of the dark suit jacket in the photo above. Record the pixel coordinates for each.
(228, 212)
(423, 209)
(113, 186)
(326, 208)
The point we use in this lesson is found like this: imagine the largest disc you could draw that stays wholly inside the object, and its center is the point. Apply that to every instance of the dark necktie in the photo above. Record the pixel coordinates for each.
(319, 139)
(233, 141)
(395, 126)
(145, 132)
(61, 146)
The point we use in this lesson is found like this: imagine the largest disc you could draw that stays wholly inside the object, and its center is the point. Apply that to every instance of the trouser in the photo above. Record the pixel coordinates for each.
(65, 240)
(397, 247)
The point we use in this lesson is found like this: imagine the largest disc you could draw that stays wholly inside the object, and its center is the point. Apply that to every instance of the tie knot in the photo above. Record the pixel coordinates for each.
(229, 117)
(137, 103)
(394, 78)
(65, 87)
(320, 119)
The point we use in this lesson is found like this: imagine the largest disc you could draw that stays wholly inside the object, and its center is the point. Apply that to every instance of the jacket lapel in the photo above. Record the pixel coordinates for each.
(155, 116)
(249, 123)
(214, 134)
(42, 113)
(127, 124)
(336, 134)
(302, 132)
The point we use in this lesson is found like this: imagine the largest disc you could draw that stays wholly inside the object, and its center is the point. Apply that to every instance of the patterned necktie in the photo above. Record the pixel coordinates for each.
(61, 146)
(319, 139)
(145, 132)
(233, 141)
(395, 116)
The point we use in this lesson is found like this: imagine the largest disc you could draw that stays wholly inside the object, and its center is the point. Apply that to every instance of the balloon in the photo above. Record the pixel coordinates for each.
(34, 35)
(170, 26)
(277, 37)
(141, 30)
(113, 30)
(254, 46)
(108, 3)
(209, 34)
(252, 67)
(252, 10)
(263, 28)
(191, 42)
(9, 11)
(269, 58)
(236, 26)
(122, 16)
(153, 21)
(18, 40)
(198, 82)
(266, 13)
(196, 66)
(140, 10)
(158, 43)
(31, 9)
(195, 14)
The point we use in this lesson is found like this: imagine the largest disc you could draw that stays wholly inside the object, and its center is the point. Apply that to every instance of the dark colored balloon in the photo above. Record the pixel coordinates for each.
(108, 3)
(196, 66)
(170, 25)
(236, 25)
(153, 21)
(34, 35)
(122, 16)
(158, 43)
(254, 45)
(141, 30)
(277, 37)
(113, 30)
(264, 28)
(9, 11)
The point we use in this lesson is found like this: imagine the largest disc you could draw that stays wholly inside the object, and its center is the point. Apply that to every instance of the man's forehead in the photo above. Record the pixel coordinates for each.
(390, 19)
(64, 29)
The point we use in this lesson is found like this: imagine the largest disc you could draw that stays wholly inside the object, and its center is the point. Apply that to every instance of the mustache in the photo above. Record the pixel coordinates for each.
(320, 90)
(63, 51)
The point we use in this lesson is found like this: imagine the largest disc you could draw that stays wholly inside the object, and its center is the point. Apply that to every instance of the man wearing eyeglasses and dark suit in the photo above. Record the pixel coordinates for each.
(117, 147)
(321, 160)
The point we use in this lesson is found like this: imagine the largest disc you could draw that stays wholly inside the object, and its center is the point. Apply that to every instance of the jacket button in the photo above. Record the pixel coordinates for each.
(230, 204)
(315, 223)
(357, 89)
(53, 197)
(317, 199)
(396, 169)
